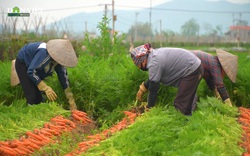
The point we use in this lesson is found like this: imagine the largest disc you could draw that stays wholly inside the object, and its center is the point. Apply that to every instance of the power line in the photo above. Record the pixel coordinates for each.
(183, 10)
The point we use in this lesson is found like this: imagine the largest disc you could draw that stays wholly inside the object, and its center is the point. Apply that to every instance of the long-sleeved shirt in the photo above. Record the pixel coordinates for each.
(212, 72)
(168, 66)
(40, 64)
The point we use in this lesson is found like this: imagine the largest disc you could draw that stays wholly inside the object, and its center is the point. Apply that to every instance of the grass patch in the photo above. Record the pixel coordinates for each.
(211, 130)
(18, 118)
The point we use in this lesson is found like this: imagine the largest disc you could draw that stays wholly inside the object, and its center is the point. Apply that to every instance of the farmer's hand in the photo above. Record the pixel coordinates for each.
(228, 102)
(216, 94)
(71, 100)
(141, 91)
(48, 91)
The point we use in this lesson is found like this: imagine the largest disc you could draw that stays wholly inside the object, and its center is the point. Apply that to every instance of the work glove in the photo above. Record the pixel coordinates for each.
(51, 95)
(141, 91)
(216, 94)
(228, 102)
(70, 97)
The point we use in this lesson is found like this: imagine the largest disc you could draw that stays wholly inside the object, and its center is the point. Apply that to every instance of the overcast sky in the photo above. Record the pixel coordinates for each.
(54, 10)
(68, 7)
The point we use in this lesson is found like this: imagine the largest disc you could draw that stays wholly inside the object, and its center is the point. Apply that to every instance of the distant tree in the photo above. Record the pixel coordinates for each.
(13, 25)
(242, 23)
(5, 26)
(190, 28)
(208, 28)
(169, 34)
(218, 29)
(37, 23)
(26, 24)
(144, 31)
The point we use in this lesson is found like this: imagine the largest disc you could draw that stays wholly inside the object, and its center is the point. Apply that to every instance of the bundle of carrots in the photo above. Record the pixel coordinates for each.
(34, 140)
(244, 120)
(93, 140)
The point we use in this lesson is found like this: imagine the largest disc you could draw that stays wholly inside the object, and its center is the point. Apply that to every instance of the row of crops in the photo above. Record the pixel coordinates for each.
(104, 84)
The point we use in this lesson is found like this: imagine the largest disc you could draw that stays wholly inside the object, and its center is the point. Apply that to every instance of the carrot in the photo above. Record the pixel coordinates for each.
(56, 128)
(75, 116)
(79, 113)
(34, 146)
(4, 143)
(88, 120)
(88, 143)
(7, 150)
(46, 133)
(245, 115)
(34, 136)
(97, 137)
(52, 131)
(20, 152)
(46, 139)
(25, 148)
(245, 154)
(36, 142)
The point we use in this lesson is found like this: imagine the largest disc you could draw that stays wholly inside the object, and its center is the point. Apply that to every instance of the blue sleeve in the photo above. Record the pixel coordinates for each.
(40, 60)
(62, 76)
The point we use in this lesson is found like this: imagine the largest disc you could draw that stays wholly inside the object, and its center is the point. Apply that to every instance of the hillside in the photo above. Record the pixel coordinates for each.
(173, 15)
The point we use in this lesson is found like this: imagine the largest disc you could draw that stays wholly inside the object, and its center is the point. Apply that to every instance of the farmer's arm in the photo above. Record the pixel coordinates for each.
(218, 80)
(153, 88)
(62, 75)
(40, 60)
(64, 81)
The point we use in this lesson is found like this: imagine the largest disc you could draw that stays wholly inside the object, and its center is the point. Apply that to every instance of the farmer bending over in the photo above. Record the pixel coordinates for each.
(215, 68)
(171, 67)
(35, 61)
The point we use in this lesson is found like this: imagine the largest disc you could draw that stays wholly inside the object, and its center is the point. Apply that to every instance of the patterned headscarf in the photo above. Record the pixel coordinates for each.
(139, 54)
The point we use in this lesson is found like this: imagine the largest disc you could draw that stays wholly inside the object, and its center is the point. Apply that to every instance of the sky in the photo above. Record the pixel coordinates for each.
(54, 10)
(69, 7)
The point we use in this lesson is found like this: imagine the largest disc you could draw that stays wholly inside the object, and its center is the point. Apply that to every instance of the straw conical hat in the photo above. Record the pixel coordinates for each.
(14, 80)
(62, 51)
(229, 63)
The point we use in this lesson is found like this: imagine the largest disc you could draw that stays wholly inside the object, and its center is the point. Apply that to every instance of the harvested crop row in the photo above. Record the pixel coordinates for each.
(36, 139)
(93, 140)
(244, 120)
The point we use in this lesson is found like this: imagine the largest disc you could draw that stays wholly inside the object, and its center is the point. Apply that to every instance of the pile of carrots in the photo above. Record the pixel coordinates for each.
(34, 140)
(93, 140)
(244, 120)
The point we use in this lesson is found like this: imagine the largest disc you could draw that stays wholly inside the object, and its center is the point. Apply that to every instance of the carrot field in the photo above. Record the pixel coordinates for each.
(104, 83)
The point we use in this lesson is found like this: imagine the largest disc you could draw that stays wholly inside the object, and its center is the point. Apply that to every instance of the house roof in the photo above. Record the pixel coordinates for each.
(239, 27)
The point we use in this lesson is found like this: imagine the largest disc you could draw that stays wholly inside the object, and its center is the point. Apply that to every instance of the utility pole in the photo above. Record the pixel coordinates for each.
(86, 27)
(106, 10)
(160, 34)
(136, 14)
(150, 24)
(114, 17)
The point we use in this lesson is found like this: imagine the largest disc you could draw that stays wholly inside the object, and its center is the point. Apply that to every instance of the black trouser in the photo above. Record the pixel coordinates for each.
(31, 92)
(187, 90)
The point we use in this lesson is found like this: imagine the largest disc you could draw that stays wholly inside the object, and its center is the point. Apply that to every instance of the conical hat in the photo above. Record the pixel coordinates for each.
(14, 80)
(62, 51)
(229, 63)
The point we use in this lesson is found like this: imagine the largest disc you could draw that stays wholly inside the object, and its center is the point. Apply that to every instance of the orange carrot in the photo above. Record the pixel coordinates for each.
(88, 143)
(7, 150)
(36, 142)
(34, 136)
(46, 133)
(245, 115)
(19, 152)
(75, 116)
(79, 113)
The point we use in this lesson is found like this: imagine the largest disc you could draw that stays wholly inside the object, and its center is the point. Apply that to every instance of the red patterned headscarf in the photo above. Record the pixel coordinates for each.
(140, 53)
